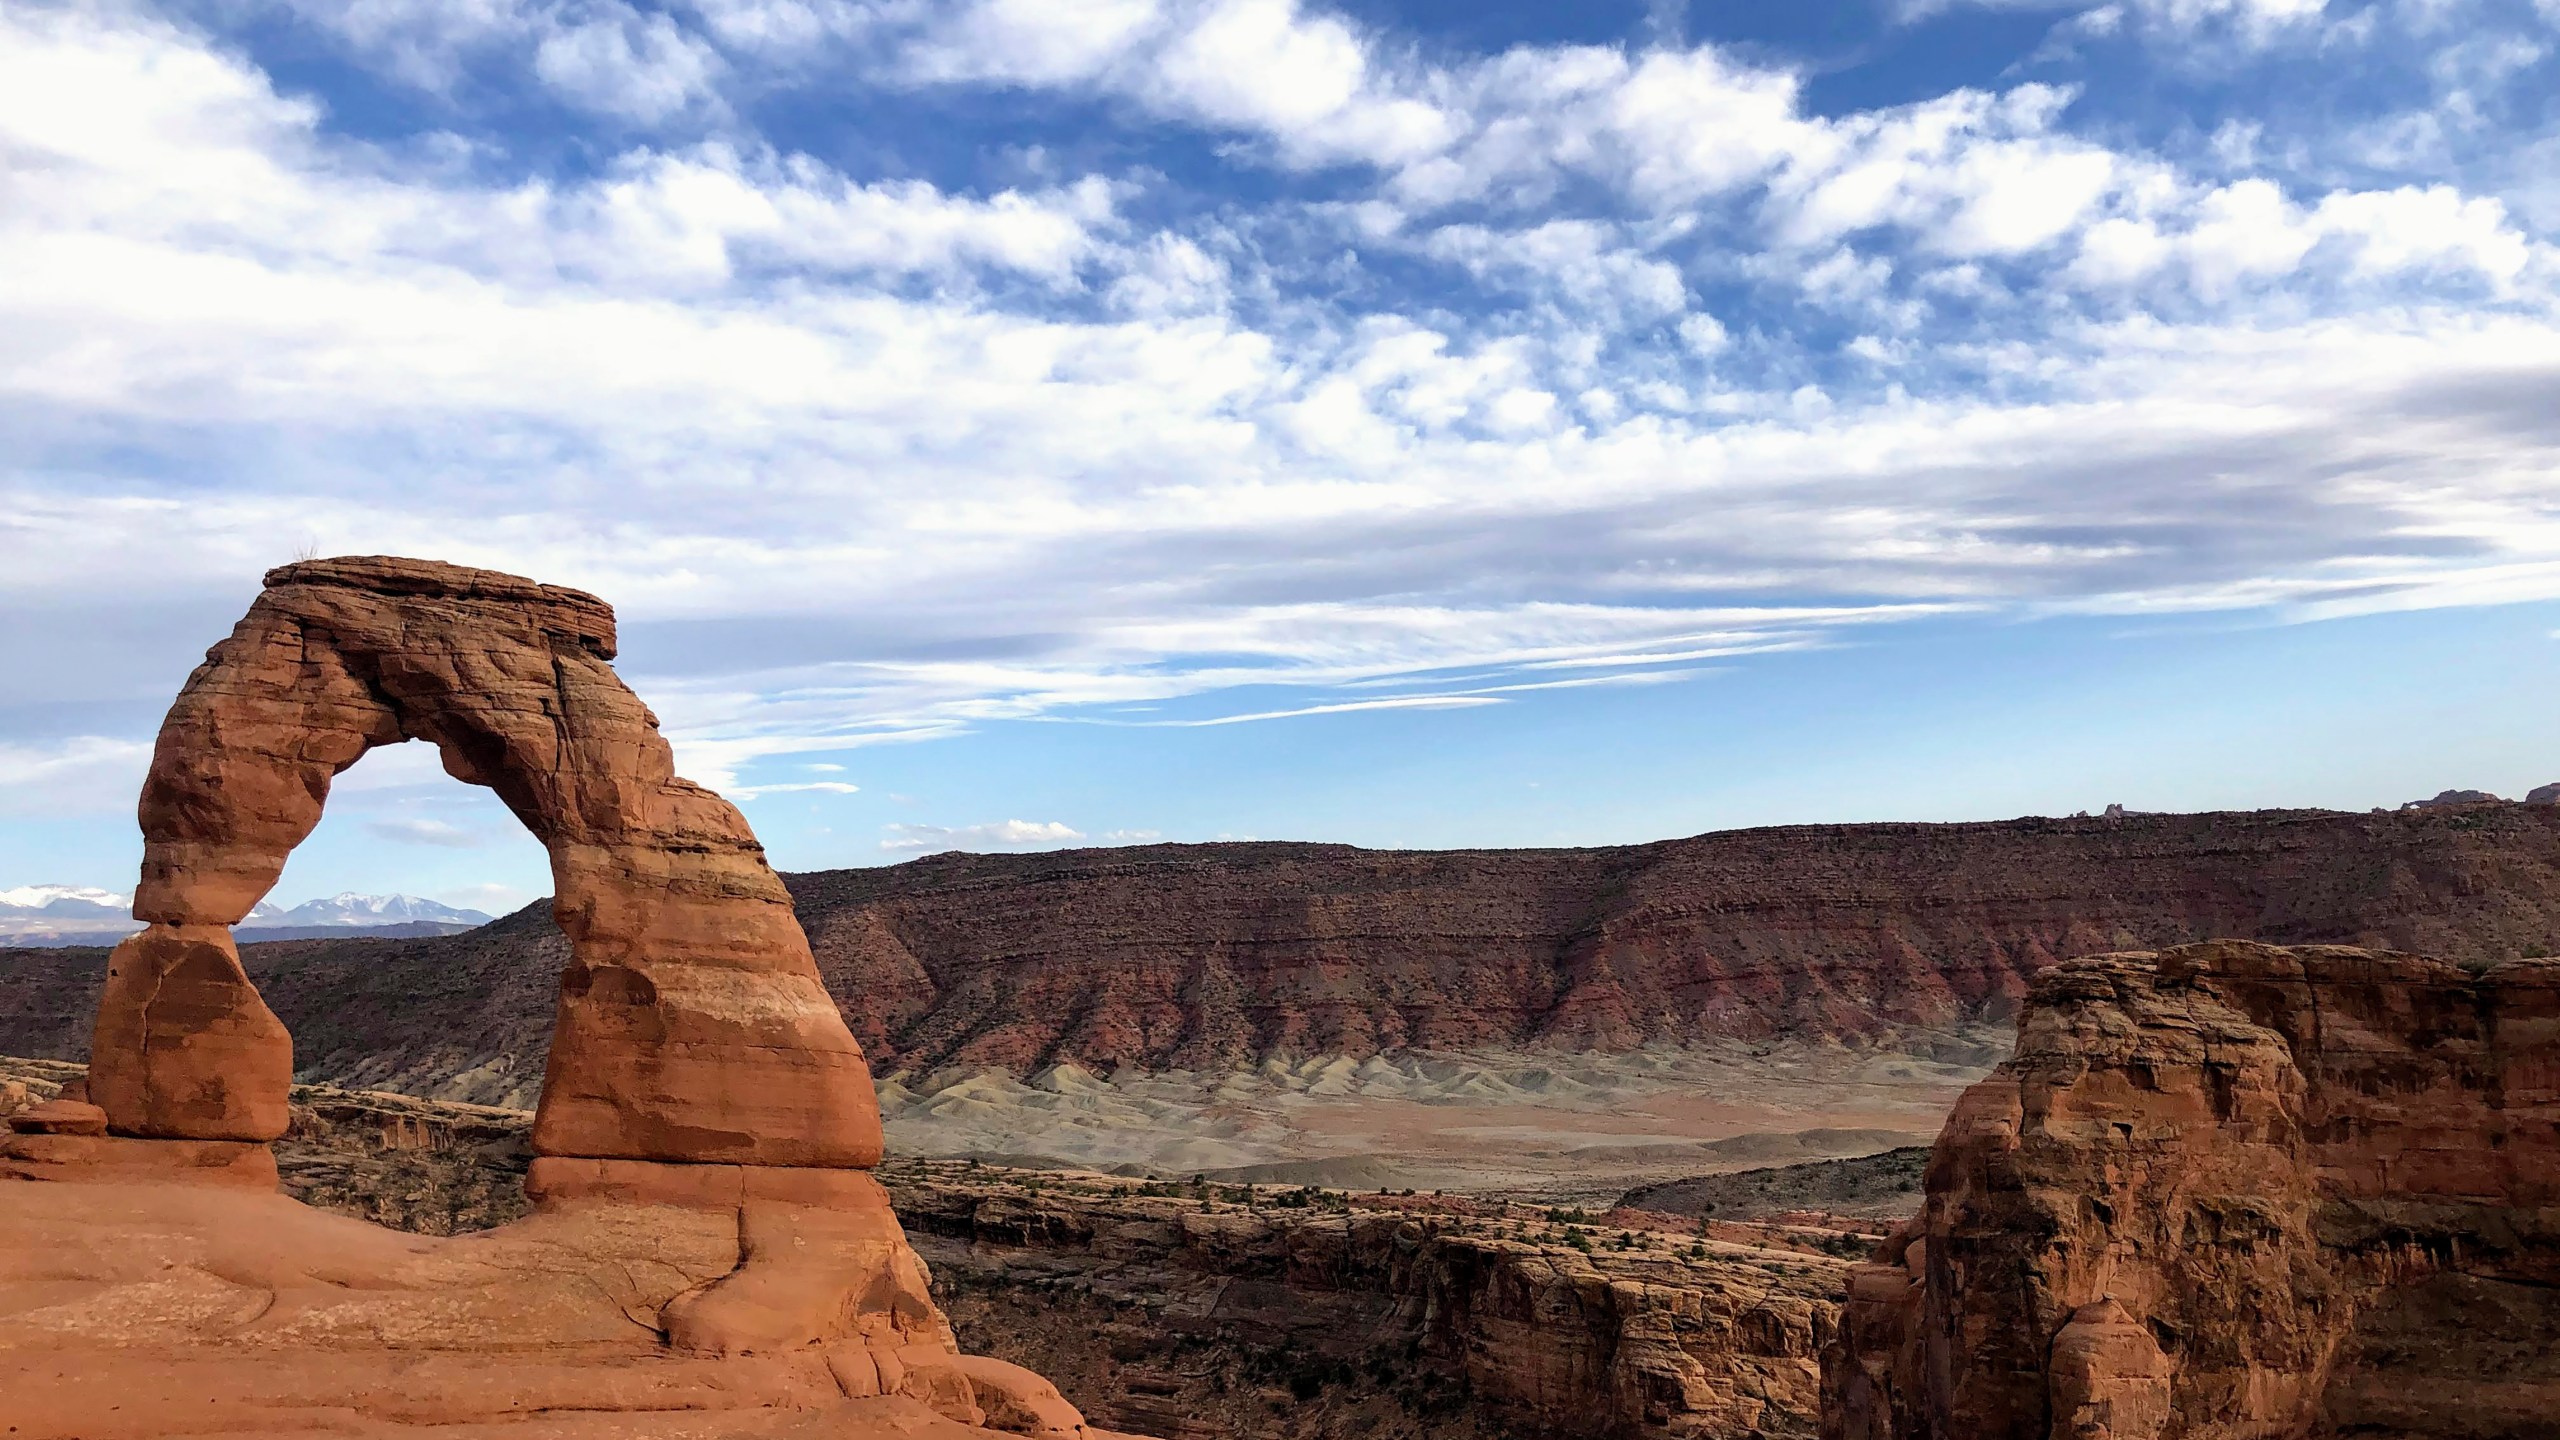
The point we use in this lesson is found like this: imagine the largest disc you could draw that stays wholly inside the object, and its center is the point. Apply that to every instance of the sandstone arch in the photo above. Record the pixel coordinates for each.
(692, 1025)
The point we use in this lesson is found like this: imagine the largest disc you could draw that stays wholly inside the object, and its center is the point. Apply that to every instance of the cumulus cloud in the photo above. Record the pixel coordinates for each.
(620, 62)
(1558, 365)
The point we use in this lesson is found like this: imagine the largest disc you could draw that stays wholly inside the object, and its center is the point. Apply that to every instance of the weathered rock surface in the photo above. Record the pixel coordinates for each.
(161, 1310)
(707, 1253)
(2234, 1190)
(691, 1024)
(428, 1167)
(2443, 799)
(1885, 1184)
(1302, 1314)
(1460, 1312)
(1205, 956)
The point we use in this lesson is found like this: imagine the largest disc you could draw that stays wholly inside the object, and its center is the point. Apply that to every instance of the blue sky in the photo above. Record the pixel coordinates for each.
(1036, 422)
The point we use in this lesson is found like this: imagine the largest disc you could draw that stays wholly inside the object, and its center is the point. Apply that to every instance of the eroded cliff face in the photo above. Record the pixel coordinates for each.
(1494, 1319)
(2233, 1190)
(1211, 956)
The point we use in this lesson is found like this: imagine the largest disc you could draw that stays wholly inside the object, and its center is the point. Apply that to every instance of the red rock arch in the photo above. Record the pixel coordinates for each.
(692, 1024)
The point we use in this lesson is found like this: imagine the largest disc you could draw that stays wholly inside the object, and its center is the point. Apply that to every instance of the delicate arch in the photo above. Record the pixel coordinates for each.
(692, 1024)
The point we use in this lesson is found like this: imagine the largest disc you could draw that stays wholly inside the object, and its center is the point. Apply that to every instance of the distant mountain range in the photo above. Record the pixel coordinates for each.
(80, 915)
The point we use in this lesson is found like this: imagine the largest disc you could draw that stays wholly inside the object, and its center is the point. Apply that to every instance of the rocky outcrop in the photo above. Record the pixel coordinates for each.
(1230, 1310)
(707, 1250)
(2445, 799)
(2233, 1190)
(1628, 1333)
(1210, 955)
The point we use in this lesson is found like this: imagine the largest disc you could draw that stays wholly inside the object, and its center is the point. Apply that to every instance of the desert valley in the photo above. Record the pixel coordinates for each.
(2112, 1127)
(1279, 720)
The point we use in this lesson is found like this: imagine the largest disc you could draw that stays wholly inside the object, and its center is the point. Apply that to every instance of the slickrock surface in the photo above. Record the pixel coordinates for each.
(428, 1167)
(706, 1252)
(2234, 1190)
(1211, 957)
(1299, 1314)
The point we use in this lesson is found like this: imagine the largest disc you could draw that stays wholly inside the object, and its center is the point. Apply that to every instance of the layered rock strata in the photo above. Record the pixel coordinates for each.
(707, 1252)
(1212, 956)
(1503, 1326)
(2233, 1190)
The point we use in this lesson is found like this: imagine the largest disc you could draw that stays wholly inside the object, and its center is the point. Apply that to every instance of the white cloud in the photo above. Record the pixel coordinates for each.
(2253, 22)
(417, 830)
(1579, 265)
(622, 63)
(1340, 707)
(1307, 81)
(705, 214)
(423, 43)
(2257, 19)
(493, 899)
(2250, 231)
(1041, 42)
(718, 383)
(87, 774)
(812, 787)
(996, 835)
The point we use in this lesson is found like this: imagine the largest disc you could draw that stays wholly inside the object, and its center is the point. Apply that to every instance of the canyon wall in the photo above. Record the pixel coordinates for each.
(1207, 956)
(2233, 1190)
(1453, 1307)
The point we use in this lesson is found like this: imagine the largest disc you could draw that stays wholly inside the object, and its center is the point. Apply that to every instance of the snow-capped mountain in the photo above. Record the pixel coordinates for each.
(353, 910)
(64, 900)
(84, 915)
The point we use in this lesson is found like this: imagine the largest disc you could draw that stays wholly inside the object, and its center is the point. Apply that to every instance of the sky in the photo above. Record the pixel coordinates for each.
(1009, 424)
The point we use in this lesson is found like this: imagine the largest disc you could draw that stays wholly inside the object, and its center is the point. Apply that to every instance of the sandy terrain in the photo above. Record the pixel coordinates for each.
(1579, 1128)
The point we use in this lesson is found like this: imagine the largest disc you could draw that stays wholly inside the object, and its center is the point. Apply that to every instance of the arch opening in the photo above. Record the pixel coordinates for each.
(692, 1026)
(397, 826)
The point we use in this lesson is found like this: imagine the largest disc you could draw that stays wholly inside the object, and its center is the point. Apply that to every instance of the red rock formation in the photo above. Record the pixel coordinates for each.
(706, 1235)
(2233, 1190)
(691, 1026)
(1205, 956)
(1208, 955)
